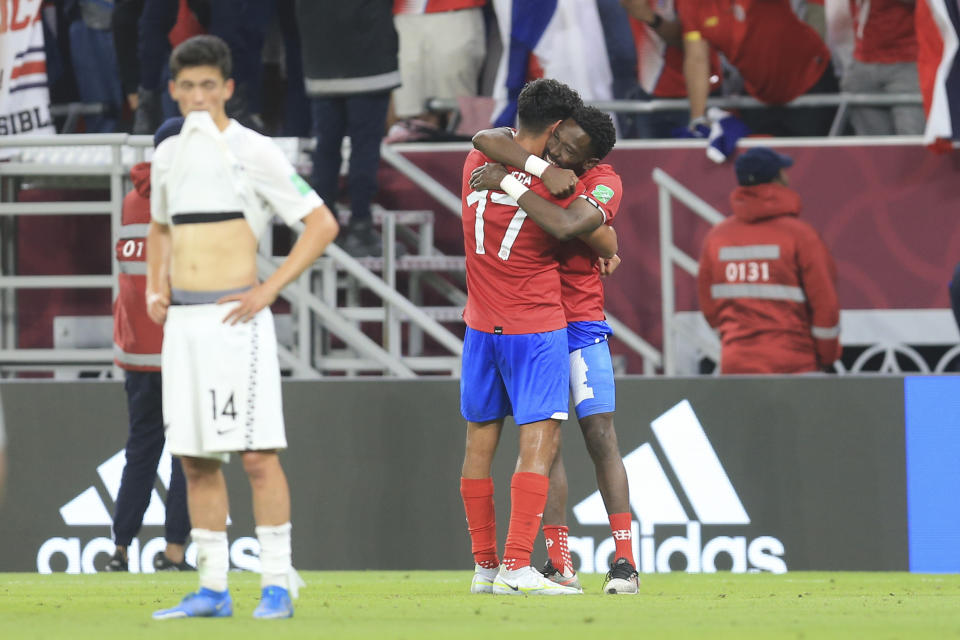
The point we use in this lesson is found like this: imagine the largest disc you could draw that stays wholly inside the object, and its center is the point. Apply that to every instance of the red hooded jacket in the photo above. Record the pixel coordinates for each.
(768, 283)
(136, 338)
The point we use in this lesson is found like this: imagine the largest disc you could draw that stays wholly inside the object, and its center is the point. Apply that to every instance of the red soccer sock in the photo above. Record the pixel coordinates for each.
(620, 525)
(477, 497)
(528, 497)
(557, 548)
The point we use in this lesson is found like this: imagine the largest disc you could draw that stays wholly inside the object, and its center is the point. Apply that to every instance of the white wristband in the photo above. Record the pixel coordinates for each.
(153, 297)
(535, 166)
(512, 187)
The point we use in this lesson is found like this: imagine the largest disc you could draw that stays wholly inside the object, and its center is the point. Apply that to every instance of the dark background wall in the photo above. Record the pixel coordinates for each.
(817, 463)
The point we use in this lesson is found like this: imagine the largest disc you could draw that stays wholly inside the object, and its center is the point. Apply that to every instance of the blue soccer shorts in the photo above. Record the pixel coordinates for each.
(523, 375)
(591, 369)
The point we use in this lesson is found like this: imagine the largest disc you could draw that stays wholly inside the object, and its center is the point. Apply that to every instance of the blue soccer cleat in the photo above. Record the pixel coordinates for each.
(205, 603)
(274, 603)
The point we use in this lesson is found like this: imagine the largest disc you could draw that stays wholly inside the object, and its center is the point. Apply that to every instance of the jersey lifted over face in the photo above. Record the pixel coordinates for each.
(512, 280)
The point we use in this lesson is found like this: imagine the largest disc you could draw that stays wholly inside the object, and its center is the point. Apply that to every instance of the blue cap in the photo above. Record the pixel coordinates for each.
(760, 165)
(170, 127)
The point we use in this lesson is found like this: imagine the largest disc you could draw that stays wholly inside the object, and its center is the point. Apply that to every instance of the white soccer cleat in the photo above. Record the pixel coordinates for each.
(552, 573)
(483, 579)
(622, 578)
(527, 581)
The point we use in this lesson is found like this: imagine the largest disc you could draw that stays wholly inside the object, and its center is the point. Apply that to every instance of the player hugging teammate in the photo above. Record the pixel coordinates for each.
(536, 329)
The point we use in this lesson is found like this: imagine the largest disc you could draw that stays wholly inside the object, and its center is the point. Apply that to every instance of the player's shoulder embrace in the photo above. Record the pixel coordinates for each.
(603, 172)
(476, 156)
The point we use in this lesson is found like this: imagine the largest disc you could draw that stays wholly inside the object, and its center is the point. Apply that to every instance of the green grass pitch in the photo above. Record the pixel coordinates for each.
(435, 604)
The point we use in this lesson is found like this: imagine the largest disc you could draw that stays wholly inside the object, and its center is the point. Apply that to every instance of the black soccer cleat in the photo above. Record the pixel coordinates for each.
(555, 575)
(622, 578)
(162, 563)
(118, 563)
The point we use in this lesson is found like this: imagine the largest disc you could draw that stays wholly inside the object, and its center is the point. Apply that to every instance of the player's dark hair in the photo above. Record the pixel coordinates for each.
(599, 126)
(201, 51)
(544, 101)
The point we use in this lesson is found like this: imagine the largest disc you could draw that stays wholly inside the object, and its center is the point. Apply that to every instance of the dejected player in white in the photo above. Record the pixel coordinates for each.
(215, 188)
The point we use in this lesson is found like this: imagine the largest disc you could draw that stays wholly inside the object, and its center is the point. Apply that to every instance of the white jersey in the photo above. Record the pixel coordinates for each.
(205, 172)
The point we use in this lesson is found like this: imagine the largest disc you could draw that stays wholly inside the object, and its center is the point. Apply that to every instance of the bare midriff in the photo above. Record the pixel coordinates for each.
(213, 256)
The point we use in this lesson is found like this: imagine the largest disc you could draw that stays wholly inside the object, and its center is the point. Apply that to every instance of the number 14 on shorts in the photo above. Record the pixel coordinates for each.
(223, 405)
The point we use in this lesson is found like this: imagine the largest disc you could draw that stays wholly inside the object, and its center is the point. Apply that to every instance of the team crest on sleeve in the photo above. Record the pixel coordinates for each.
(602, 193)
(300, 184)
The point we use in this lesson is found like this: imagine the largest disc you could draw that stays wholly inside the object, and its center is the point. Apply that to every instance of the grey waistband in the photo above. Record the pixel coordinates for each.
(182, 296)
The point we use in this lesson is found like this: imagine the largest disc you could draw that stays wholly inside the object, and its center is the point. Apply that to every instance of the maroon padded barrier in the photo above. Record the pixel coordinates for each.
(887, 213)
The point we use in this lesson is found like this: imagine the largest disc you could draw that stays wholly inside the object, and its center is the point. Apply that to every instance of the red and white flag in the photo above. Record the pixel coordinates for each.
(24, 96)
(938, 26)
(560, 39)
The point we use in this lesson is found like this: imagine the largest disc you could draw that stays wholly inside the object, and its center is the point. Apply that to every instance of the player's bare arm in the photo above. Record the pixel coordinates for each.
(603, 240)
(320, 228)
(158, 271)
(564, 224)
(642, 10)
(499, 144)
(696, 73)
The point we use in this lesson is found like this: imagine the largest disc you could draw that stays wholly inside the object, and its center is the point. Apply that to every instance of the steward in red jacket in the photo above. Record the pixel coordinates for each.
(136, 338)
(766, 279)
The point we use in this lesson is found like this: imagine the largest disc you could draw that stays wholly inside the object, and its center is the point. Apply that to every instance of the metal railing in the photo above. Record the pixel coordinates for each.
(108, 158)
(881, 337)
(652, 360)
(669, 189)
(843, 102)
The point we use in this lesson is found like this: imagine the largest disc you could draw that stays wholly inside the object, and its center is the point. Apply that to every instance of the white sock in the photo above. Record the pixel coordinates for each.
(213, 558)
(275, 563)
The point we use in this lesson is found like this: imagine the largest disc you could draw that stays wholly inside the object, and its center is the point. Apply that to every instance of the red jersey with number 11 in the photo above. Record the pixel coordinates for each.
(512, 281)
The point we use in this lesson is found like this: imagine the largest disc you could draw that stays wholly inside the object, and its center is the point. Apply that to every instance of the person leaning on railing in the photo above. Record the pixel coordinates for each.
(782, 59)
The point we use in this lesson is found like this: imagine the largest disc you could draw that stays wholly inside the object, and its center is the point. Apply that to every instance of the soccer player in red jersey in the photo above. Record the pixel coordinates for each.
(579, 144)
(515, 349)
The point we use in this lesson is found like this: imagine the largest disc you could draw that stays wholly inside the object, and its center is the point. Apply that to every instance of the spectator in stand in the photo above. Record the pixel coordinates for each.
(243, 25)
(95, 62)
(782, 59)
(350, 68)
(152, 28)
(884, 61)
(766, 281)
(296, 105)
(144, 31)
(442, 45)
(137, 341)
(659, 55)
(126, 14)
